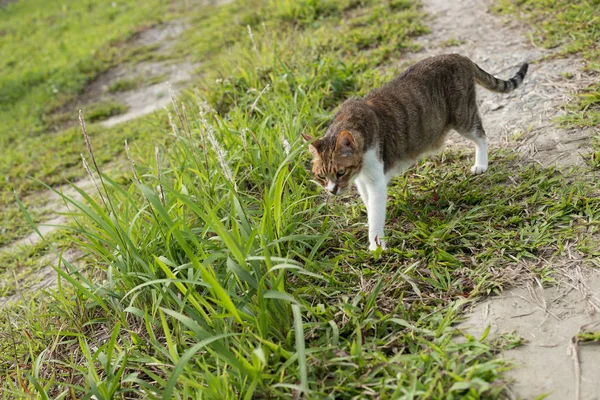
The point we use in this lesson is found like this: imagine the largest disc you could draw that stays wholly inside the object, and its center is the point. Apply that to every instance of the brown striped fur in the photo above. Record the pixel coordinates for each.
(406, 118)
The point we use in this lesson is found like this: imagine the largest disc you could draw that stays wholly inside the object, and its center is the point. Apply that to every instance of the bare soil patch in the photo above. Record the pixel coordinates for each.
(53, 208)
(45, 277)
(56, 216)
(145, 99)
(548, 319)
(156, 78)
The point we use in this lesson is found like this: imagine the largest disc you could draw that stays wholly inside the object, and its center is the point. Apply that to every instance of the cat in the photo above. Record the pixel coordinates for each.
(375, 138)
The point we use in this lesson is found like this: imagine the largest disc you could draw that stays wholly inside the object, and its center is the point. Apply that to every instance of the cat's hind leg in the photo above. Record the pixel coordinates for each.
(481, 155)
(476, 134)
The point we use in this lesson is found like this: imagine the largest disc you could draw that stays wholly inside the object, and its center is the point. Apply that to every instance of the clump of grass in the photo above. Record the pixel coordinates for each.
(594, 157)
(155, 79)
(123, 85)
(105, 109)
(131, 83)
(586, 110)
(561, 23)
(305, 12)
(452, 42)
(509, 340)
(588, 336)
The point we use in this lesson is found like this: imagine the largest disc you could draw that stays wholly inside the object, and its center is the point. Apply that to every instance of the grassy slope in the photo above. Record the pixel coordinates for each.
(249, 283)
(49, 52)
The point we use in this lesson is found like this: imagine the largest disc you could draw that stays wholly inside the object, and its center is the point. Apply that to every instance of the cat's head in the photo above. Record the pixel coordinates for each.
(336, 161)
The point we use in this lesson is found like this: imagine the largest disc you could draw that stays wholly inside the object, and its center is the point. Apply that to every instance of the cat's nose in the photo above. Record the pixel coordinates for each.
(332, 187)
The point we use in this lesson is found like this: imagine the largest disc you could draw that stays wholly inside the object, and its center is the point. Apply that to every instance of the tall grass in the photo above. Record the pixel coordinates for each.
(196, 256)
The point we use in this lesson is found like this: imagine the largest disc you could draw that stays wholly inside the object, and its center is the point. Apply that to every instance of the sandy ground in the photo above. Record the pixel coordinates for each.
(145, 99)
(56, 209)
(547, 318)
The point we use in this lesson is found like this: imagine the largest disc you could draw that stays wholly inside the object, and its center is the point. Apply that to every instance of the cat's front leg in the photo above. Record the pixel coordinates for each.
(377, 195)
(362, 190)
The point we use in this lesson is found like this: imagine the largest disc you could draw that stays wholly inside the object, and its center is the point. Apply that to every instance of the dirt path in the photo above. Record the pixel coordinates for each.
(156, 77)
(547, 318)
(43, 275)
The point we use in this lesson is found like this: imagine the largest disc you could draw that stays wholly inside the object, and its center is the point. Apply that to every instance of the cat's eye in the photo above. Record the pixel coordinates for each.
(341, 172)
(321, 177)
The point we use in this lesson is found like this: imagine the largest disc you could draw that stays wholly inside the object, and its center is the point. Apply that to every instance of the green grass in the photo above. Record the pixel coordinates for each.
(123, 85)
(104, 110)
(219, 270)
(572, 25)
(50, 52)
(588, 336)
(452, 42)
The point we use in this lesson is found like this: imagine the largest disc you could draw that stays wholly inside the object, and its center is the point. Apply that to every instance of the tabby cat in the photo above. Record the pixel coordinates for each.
(375, 138)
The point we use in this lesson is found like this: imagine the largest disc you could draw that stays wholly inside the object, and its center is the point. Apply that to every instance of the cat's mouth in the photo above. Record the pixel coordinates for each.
(337, 191)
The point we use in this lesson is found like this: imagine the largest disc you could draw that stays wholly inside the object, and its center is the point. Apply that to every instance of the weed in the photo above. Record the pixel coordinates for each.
(588, 337)
(452, 42)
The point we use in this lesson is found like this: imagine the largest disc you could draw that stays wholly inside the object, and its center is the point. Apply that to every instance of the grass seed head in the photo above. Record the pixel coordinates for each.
(173, 127)
(253, 42)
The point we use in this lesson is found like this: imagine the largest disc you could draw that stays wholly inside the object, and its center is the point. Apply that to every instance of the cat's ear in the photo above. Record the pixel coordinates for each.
(307, 138)
(314, 146)
(345, 144)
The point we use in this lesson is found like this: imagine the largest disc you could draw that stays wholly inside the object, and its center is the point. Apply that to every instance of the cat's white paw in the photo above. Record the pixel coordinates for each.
(374, 245)
(478, 169)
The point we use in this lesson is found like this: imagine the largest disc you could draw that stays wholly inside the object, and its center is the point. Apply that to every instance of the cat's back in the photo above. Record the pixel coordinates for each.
(418, 107)
(433, 73)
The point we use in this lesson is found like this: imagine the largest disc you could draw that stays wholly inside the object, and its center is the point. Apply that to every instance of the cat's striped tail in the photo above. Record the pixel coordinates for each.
(490, 82)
